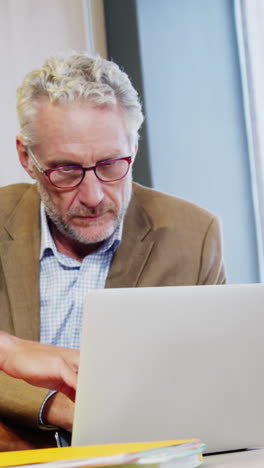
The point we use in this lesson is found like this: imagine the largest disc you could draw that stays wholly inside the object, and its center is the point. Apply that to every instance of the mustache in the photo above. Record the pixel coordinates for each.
(84, 211)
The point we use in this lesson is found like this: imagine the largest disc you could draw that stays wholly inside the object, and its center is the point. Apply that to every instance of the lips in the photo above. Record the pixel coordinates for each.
(89, 213)
(91, 216)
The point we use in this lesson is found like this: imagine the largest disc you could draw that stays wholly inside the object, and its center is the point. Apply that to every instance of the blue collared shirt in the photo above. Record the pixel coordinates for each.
(64, 283)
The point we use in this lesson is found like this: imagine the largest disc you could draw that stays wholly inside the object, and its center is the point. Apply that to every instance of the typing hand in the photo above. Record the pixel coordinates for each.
(41, 365)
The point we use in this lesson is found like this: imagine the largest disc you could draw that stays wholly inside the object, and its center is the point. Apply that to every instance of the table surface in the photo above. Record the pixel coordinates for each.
(249, 459)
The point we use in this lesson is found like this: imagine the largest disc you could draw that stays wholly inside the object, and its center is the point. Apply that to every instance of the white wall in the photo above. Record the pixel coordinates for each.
(30, 31)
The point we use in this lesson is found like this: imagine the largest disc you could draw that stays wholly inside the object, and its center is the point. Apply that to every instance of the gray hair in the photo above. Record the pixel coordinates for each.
(77, 77)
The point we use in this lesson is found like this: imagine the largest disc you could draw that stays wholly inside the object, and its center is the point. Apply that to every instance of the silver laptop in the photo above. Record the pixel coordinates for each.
(172, 362)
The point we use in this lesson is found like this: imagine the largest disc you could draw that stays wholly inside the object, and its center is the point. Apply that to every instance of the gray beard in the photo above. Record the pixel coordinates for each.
(72, 233)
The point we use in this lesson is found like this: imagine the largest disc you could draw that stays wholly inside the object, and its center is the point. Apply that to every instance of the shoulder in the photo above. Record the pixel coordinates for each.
(186, 239)
(11, 195)
(14, 191)
(166, 210)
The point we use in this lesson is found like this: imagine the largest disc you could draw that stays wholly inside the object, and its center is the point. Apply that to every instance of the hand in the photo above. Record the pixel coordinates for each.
(38, 364)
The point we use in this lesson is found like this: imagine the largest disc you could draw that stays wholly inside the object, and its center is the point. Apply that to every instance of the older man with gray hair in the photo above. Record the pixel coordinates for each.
(84, 224)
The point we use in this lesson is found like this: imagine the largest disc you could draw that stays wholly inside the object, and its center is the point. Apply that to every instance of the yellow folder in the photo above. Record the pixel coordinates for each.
(108, 454)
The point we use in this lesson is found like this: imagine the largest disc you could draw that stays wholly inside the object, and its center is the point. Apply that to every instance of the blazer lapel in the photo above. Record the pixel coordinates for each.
(134, 250)
(19, 250)
(20, 260)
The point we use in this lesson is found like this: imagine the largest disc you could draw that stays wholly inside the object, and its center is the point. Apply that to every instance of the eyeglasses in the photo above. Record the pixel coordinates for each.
(109, 170)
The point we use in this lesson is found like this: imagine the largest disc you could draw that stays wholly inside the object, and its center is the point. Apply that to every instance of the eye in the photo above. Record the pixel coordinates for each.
(107, 163)
(68, 169)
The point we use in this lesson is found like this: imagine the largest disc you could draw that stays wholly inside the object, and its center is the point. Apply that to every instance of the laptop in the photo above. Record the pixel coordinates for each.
(171, 363)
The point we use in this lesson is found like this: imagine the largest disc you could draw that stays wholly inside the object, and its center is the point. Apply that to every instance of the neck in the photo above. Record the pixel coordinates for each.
(71, 247)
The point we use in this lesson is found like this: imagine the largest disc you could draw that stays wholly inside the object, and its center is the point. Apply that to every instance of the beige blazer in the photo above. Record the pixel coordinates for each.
(166, 241)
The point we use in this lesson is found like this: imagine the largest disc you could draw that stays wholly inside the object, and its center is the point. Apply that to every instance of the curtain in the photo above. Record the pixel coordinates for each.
(249, 19)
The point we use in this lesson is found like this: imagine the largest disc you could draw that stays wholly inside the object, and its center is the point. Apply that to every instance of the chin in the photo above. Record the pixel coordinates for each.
(92, 235)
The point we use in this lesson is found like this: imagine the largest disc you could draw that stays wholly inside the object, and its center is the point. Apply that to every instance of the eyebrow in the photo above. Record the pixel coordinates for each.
(61, 162)
(69, 162)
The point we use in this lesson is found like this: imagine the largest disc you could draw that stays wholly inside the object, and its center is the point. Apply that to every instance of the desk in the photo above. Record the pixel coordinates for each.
(248, 459)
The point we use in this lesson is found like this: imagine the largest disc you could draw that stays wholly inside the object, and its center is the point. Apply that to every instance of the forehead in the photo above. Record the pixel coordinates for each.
(80, 127)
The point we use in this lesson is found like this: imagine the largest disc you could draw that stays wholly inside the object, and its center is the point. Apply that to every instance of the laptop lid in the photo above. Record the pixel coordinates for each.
(172, 362)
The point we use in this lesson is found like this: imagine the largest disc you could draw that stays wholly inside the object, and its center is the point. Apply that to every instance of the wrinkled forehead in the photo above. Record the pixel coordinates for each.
(80, 127)
(75, 113)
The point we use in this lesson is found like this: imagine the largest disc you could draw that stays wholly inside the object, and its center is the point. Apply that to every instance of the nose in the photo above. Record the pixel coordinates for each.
(91, 190)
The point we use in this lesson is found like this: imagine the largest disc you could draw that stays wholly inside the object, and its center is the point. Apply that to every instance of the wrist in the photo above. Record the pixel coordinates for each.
(41, 423)
(58, 412)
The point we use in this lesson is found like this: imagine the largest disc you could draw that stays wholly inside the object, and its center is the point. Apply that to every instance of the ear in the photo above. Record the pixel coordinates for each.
(23, 157)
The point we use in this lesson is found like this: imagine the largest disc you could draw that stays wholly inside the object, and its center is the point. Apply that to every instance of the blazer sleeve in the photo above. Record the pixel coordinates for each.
(20, 402)
(212, 270)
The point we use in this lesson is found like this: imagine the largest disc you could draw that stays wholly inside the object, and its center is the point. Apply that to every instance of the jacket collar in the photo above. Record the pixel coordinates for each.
(134, 250)
(20, 247)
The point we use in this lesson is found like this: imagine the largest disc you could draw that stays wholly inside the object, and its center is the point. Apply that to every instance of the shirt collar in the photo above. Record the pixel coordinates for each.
(47, 242)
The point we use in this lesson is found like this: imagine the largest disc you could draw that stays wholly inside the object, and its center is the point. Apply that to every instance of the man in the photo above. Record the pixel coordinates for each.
(79, 121)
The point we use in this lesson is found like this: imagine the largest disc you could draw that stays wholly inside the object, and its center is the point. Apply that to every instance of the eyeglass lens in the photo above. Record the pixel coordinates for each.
(106, 171)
